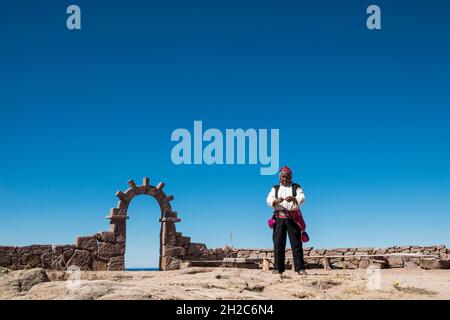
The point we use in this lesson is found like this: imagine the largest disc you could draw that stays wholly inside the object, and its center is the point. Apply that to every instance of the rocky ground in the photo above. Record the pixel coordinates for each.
(225, 283)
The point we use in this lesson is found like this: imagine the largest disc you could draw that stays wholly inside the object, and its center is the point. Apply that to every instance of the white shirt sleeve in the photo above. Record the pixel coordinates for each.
(271, 197)
(300, 196)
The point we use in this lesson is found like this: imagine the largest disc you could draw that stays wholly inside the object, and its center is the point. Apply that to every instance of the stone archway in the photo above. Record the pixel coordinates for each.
(169, 238)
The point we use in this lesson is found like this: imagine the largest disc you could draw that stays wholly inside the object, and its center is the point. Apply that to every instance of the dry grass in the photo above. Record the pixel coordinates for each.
(414, 290)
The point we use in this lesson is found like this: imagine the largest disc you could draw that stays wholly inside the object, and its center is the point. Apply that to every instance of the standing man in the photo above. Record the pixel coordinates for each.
(286, 198)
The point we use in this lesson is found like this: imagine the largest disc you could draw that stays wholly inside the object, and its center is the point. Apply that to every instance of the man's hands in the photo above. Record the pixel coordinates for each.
(288, 199)
(277, 201)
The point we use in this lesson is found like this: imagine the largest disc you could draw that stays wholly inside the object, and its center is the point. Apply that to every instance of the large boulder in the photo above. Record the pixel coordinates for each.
(32, 277)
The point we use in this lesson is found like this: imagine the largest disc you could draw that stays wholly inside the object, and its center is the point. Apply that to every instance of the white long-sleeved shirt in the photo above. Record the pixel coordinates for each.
(284, 192)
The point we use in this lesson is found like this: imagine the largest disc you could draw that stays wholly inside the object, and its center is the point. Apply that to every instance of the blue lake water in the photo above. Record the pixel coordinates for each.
(141, 269)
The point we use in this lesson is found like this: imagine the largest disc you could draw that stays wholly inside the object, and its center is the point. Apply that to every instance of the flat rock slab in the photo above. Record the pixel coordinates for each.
(225, 283)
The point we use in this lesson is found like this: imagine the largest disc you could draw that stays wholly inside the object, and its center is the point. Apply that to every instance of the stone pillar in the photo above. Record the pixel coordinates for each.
(168, 238)
(118, 225)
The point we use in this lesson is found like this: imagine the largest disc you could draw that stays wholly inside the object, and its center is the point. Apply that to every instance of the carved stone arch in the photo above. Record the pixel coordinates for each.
(168, 235)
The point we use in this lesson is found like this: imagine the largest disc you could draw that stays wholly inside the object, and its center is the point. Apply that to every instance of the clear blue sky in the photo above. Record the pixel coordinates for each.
(363, 118)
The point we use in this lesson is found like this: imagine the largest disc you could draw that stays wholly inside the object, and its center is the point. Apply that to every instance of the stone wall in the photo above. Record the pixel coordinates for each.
(105, 251)
(350, 258)
(101, 252)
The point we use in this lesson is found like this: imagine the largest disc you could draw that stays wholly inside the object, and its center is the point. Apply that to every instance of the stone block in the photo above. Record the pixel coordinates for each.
(313, 261)
(81, 259)
(339, 265)
(348, 258)
(107, 236)
(185, 265)
(313, 253)
(364, 263)
(334, 253)
(116, 264)
(220, 255)
(58, 262)
(46, 260)
(171, 263)
(5, 259)
(59, 248)
(410, 265)
(196, 248)
(243, 253)
(99, 264)
(334, 260)
(434, 263)
(184, 241)
(86, 243)
(7, 249)
(365, 249)
(395, 261)
(377, 263)
(107, 250)
(31, 260)
(175, 251)
(35, 249)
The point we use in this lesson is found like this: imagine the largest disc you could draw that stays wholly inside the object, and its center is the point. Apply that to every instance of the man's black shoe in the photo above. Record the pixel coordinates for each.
(277, 272)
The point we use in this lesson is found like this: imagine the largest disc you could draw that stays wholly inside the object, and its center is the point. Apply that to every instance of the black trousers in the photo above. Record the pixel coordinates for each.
(283, 226)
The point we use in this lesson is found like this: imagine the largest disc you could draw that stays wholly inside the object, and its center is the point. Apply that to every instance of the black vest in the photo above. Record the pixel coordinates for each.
(294, 187)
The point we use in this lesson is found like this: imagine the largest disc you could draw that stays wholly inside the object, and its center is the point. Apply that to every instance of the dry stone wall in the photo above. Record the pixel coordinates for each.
(99, 252)
(435, 257)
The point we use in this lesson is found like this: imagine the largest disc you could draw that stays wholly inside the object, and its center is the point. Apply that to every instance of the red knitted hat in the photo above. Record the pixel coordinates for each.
(286, 169)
